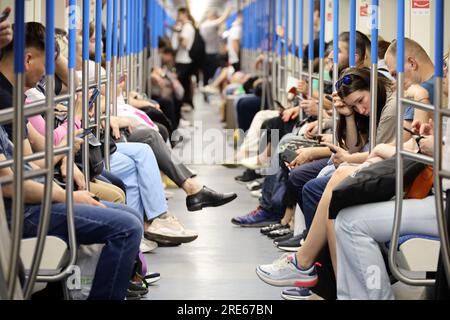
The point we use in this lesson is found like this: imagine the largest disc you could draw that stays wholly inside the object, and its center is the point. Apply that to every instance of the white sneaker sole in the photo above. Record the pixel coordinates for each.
(289, 249)
(294, 298)
(307, 283)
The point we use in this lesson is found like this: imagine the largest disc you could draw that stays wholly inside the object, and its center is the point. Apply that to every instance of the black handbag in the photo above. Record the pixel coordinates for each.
(375, 183)
(112, 143)
(96, 163)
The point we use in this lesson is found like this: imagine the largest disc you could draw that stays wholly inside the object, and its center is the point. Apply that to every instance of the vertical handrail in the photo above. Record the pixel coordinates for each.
(85, 90)
(115, 52)
(321, 66)
(438, 120)
(294, 38)
(279, 50)
(274, 49)
(335, 59)
(374, 76)
(352, 44)
(122, 37)
(128, 49)
(399, 149)
(18, 136)
(301, 16)
(98, 63)
(311, 48)
(287, 65)
(49, 127)
(107, 133)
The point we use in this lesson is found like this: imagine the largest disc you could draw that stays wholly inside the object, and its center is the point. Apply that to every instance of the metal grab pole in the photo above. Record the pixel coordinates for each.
(311, 52)
(335, 59)
(49, 127)
(274, 61)
(122, 37)
(374, 77)
(321, 65)
(287, 64)
(301, 16)
(98, 64)
(18, 136)
(279, 49)
(114, 57)
(85, 88)
(107, 133)
(438, 117)
(352, 44)
(399, 152)
(128, 49)
(294, 39)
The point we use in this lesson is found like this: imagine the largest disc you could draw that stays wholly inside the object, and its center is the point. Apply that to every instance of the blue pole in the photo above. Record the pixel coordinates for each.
(311, 31)
(322, 30)
(400, 36)
(50, 37)
(294, 28)
(336, 31)
(122, 29)
(19, 37)
(352, 45)
(72, 34)
(109, 29)
(115, 29)
(374, 24)
(301, 12)
(274, 25)
(128, 33)
(286, 28)
(280, 23)
(98, 31)
(86, 4)
(439, 50)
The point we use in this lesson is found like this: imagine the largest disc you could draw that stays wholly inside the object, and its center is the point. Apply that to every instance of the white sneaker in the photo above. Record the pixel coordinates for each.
(252, 163)
(147, 245)
(169, 229)
(256, 194)
(210, 90)
(284, 273)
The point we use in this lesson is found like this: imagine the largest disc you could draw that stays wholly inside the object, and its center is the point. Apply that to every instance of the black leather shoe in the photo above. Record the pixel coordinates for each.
(208, 198)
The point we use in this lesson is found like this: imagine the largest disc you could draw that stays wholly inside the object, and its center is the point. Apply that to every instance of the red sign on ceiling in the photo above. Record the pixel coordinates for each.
(421, 4)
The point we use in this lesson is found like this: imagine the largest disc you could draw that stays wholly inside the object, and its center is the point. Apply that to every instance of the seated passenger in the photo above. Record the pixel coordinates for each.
(118, 227)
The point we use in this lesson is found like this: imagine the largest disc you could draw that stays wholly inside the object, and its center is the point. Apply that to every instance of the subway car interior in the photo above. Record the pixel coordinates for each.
(245, 150)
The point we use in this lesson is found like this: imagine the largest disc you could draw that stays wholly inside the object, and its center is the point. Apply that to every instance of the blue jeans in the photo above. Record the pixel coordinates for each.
(273, 190)
(312, 193)
(119, 227)
(300, 176)
(135, 164)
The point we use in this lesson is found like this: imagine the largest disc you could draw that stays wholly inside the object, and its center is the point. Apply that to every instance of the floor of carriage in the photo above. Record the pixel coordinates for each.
(221, 263)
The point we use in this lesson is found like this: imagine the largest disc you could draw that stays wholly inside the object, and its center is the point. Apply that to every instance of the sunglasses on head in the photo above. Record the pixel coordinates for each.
(347, 80)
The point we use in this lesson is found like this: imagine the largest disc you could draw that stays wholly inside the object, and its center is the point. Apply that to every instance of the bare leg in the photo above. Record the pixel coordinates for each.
(331, 235)
(317, 235)
(288, 215)
(221, 78)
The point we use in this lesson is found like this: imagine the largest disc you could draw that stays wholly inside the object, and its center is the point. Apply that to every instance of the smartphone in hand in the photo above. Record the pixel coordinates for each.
(332, 149)
(5, 14)
(85, 133)
(288, 155)
(93, 98)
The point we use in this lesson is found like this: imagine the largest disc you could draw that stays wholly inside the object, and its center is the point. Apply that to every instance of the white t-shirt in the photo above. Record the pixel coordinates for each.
(188, 34)
(234, 33)
(209, 30)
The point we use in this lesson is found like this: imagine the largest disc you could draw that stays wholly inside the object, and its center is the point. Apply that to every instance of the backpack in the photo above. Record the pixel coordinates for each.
(197, 53)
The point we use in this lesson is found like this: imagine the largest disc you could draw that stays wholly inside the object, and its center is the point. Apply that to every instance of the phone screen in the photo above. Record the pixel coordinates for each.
(93, 98)
(85, 133)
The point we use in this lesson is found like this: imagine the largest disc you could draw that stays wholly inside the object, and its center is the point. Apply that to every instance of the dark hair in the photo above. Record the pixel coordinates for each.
(382, 48)
(360, 80)
(317, 5)
(316, 55)
(186, 11)
(363, 44)
(34, 38)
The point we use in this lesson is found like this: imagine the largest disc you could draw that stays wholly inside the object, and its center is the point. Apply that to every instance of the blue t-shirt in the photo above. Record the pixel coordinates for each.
(429, 86)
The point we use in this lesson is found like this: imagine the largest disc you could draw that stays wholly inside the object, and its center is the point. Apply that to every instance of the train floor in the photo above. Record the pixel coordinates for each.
(220, 263)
